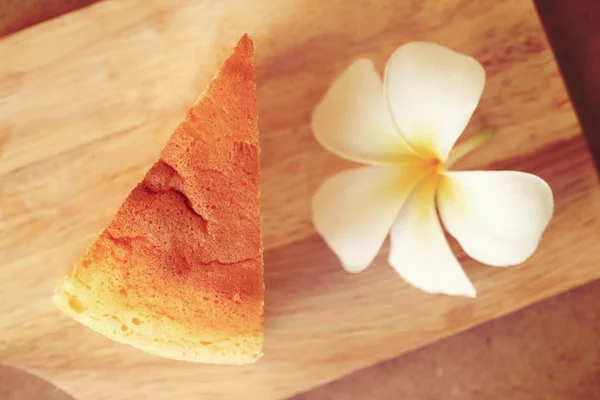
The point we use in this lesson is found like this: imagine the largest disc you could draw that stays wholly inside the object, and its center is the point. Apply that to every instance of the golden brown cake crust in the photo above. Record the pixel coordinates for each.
(185, 247)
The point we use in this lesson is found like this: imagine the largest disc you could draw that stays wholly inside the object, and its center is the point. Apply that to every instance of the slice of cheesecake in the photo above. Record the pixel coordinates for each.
(178, 272)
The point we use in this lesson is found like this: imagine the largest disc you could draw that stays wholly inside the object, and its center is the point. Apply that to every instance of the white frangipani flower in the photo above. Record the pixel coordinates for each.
(405, 134)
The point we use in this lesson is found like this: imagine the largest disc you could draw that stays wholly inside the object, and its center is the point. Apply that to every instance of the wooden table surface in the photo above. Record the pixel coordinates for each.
(493, 350)
(547, 351)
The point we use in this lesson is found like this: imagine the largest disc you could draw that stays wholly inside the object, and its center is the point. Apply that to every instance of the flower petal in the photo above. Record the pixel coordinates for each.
(498, 217)
(352, 120)
(419, 250)
(355, 209)
(432, 92)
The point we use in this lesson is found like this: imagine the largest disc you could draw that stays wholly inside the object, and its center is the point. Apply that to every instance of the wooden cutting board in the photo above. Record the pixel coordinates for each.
(88, 100)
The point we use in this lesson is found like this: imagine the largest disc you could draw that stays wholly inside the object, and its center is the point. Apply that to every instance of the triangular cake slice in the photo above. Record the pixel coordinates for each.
(178, 272)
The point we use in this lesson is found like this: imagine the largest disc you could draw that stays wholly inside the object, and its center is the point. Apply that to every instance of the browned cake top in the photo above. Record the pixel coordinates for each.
(188, 236)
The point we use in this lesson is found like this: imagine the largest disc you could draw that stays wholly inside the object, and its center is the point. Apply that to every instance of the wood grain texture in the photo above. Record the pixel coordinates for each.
(19, 14)
(547, 351)
(19, 385)
(88, 100)
(574, 34)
